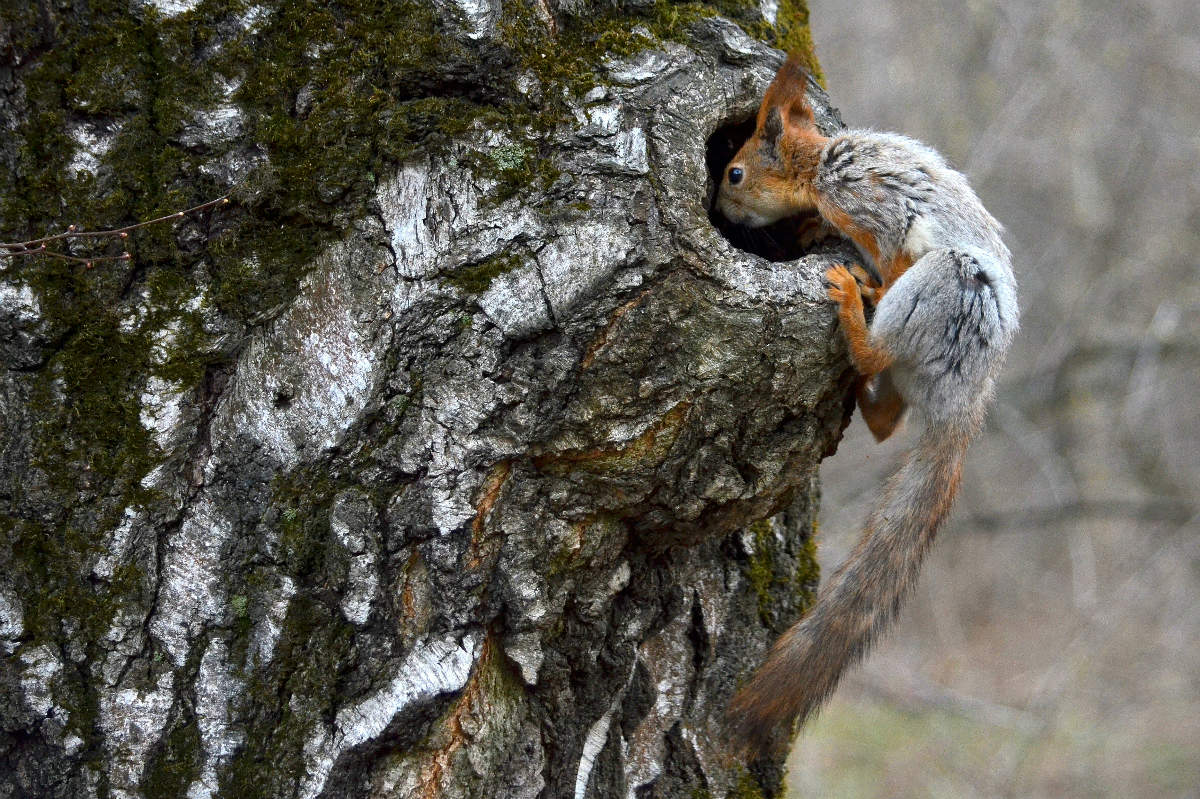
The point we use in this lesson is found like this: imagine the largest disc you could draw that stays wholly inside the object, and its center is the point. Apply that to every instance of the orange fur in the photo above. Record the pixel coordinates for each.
(895, 265)
(843, 289)
(852, 230)
(780, 160)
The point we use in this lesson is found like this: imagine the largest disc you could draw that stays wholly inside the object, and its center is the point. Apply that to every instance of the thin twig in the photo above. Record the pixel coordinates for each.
(38, 246)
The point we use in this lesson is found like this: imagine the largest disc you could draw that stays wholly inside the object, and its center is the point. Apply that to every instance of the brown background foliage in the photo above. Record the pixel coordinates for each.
(1050, 650)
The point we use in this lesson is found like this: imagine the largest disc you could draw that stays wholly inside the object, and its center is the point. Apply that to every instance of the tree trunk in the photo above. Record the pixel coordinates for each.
(458, 455)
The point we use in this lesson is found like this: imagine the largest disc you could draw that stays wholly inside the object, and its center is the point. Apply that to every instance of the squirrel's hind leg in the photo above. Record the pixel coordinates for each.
(880, 403)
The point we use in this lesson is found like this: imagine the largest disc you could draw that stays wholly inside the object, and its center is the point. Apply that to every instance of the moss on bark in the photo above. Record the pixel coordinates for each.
(328, 96)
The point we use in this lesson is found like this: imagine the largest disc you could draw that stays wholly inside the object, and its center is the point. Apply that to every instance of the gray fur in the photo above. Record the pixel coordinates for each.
(888, 183)
(948, 321)
(950, 318)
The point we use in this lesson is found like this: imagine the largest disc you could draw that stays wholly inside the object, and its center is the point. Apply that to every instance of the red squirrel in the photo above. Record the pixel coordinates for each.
(945, 313)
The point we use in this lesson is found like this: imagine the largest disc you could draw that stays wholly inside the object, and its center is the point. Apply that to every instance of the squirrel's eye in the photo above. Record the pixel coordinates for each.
(735, 176)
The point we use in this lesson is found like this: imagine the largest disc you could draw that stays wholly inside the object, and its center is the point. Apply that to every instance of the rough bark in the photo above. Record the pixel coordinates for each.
(460, 455)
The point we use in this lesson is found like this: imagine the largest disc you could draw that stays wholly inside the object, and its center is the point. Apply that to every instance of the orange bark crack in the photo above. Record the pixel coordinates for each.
(471, 701)
(589, 356)
(491, 492)
(649, 448)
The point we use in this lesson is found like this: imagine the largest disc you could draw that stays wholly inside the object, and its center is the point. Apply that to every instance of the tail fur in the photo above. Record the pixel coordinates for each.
(861, 598)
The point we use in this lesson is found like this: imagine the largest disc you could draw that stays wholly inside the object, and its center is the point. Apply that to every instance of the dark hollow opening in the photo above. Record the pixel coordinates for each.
(780, 241)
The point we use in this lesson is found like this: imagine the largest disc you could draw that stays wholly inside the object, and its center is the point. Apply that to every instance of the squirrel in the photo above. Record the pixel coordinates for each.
(945, 312)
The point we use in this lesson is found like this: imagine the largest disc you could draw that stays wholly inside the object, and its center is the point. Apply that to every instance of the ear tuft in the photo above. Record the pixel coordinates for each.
(772, 128)
(793, 72)
(787, 93)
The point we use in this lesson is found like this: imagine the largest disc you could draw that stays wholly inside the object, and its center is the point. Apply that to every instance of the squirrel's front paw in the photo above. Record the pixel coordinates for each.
(841, 286)
(868, 287)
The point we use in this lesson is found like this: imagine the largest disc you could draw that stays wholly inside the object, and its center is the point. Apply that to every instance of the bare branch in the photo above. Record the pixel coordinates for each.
(38, 246)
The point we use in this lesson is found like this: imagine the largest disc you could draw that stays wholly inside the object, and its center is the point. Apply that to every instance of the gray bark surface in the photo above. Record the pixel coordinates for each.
(500, 498)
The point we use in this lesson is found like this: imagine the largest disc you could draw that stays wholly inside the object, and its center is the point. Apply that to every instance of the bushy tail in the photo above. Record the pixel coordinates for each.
(861, 598)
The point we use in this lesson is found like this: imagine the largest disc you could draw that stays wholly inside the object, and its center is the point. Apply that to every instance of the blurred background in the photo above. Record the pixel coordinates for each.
(1051, 648)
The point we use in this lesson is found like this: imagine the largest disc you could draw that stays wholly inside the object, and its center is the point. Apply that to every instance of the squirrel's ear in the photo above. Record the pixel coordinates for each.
(772, 128)
(787, 94)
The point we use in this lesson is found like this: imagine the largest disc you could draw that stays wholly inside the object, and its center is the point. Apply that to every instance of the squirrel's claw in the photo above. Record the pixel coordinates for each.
(840, 285)
(868, 286)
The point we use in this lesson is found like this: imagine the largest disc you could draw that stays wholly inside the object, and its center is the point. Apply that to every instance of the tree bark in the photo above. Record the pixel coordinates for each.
(459, 455)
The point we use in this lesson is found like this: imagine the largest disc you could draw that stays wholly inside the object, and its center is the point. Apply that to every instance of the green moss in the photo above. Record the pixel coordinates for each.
(89, 450)
(761, 568)
(306, 497)
(175, 763)
(746, 787)
(296, 694)
(476, 279)
(771, 568)
(516, 168)
(570, 57)
(807, 574)
(336, 93)
(794, 35)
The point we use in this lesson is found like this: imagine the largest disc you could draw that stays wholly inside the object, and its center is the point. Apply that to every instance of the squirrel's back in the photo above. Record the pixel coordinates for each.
(905, 194)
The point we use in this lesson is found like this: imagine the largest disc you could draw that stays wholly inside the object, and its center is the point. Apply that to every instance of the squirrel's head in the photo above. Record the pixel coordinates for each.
(771, 176)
